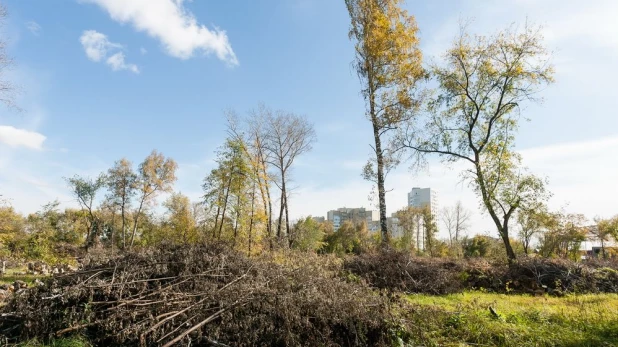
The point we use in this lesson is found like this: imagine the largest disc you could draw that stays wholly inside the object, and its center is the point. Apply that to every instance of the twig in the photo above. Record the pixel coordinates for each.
(77, 327)
(200, 324)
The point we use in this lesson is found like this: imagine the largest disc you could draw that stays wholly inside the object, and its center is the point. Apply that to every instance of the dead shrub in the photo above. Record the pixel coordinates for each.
(400, 271)
(205, 295)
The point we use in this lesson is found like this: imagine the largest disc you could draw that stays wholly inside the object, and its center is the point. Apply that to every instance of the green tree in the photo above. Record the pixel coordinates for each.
(430, 229)
(474, 115)
(122, 184)
(606, 229)
(12, 231)
(564, 235)
(349, 238)
(85, 191)
(532, 222)
(228, 187)
(307, 235)
(389, 65)
(180, 224)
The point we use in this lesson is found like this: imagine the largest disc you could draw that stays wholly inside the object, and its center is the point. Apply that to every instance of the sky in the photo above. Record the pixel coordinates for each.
(100, 80)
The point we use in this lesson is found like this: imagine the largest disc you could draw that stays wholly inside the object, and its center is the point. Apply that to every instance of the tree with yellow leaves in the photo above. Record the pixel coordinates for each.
(474, 115)
(156, 174)
(388, 63)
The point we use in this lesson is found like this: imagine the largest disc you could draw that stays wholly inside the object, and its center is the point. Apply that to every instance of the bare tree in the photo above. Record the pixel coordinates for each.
(448, 220)
(462, 219)
(286, 137)
(251, 133)
(7, 88)
(257, 134)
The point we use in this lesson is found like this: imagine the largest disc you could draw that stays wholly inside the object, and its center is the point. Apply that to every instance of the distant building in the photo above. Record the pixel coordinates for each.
(392, 223)
(591, 247)
(319, 219)
(340, 215)
(423, 197)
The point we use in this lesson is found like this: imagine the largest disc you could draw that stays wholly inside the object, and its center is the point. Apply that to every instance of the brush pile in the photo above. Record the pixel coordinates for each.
(200, 296)
(402, 272)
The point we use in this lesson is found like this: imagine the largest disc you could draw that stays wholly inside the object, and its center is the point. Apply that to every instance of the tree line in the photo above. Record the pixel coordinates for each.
(465, 108)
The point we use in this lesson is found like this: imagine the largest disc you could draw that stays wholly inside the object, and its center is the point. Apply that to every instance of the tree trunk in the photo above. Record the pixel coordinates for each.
(237, 218)
(282, 207)
(287, 219)
(265, 194)
(269, 227)
(214, 230)
(418, 235)
(380, 180)
(503, 229)
(251, 218)
(227, 194)
(124, 243)
(267, 201)
(504, 233)
(136, 219)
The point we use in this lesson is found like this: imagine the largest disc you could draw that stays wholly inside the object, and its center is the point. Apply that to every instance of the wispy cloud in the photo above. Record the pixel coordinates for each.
(117, 63)
(173, 25)
(97, 46)
(15, 137)
(33, 27)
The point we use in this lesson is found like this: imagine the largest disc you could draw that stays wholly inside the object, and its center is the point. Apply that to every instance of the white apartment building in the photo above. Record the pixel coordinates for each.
(422, 197)
(340, 215)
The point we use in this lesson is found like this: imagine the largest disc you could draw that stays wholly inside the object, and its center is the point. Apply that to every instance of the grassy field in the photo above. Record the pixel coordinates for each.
(466, 320)
(13, 275)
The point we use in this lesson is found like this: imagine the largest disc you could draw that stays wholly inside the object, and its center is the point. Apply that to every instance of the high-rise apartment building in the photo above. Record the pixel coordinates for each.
(340, 215)
(423, 197)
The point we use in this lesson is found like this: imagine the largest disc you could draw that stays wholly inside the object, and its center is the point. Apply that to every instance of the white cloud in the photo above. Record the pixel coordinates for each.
(143, 50)
(173, 25)
(34, 27)
(117, 63)
(97, 46)
(15, 137)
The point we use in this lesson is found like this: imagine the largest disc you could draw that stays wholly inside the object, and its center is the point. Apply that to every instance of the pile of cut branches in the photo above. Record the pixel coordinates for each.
(206, 295)
(401, 271)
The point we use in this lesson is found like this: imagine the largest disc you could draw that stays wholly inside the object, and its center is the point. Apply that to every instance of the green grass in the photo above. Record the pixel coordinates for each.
(10, 276)
(465, 320)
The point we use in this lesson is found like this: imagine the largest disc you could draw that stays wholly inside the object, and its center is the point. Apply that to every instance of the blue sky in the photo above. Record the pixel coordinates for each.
(165, 77)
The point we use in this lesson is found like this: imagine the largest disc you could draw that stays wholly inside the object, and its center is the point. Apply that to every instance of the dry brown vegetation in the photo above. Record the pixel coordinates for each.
(208, 295)
(400, 271)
